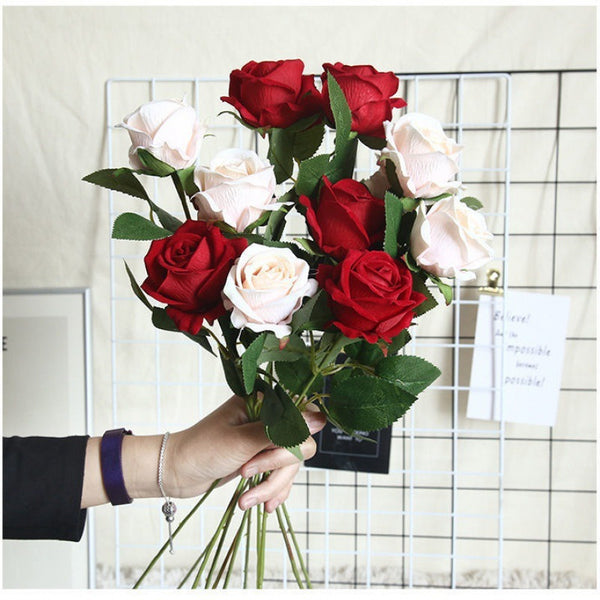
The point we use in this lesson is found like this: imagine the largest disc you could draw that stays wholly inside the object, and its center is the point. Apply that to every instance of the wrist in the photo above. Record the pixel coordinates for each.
(139, 459)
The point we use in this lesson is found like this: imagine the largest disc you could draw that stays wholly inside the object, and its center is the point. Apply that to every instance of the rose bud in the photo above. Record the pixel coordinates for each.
(368, 93)
(168, 129)
(265, 287)
(425, 160)
(370, 295)
(236, 188)
(187, 271)
(345, 216)
(273, 93)
(450, 239)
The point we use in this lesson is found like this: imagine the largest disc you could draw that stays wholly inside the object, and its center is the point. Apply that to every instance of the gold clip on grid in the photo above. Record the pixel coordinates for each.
(493, 281)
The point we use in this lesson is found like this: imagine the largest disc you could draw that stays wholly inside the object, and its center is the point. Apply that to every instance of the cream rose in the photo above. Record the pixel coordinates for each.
(450, 240)
(237, 188)
(265, 288)
(424, 158)
(168, 129)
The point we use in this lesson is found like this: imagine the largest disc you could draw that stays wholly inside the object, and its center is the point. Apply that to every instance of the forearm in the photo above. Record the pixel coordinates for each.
(139, 457)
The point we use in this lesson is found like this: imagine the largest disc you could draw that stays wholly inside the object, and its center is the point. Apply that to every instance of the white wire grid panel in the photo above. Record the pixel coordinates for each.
(438, 514)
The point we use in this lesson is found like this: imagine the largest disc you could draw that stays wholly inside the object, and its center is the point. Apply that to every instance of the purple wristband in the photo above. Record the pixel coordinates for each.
(112, 469)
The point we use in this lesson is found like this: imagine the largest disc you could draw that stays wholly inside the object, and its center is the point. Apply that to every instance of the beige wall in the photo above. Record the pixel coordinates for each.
(56, 60)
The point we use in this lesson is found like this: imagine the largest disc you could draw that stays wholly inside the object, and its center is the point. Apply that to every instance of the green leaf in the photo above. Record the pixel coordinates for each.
(341, 164)
(341, 112)
(344, 160)
(310, 173)
(200, 338)
(241, 121)
(186, 177)
(280, 154)
(411, 373)
(440, 197)
(258, 223)
(406, 224)
(443, 287)
(303, 124)
(411, 263)
(161, 320)
(420, 286)
(398, 342)
(294, 376)
(375, 143)
(392, 177)
(472, 203)
(250, 362)
(276, 222)
(259, 239)
(365, 353)
(367, 403)
(313, 314)
(131, 226)
(154, 165)
(247, 336)
(430, 302)
(295, 450)
(294, 349)
(284, 424)
(331, 344)
(310, 246)
(307, 142)
(120, 180)
(167, 220)
(230, 333)
(393, 216)
(137, 290)
(233, 376)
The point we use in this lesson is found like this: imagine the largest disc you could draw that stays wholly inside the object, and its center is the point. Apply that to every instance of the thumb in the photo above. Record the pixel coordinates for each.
(253, 438)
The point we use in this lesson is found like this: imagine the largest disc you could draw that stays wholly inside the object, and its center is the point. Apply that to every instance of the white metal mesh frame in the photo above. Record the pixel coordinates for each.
(377, 559)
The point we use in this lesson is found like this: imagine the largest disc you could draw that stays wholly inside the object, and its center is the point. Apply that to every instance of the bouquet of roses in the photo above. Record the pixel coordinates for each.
(337, 303)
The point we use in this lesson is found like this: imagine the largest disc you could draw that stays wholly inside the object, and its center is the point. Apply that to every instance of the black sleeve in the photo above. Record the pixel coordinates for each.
(42, 484)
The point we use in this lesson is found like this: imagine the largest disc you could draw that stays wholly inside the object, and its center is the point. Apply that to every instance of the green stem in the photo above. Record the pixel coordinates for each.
(247, 553)
(223, 536)
(304, 393)
(260, 567)
(296, 545)
(259, 540)
(289, 549)
(213, 540)
(231, 555)
(181, 194)
(331, 354)
(222, 348)
(312, 349)
(266, 373)
(177, 530)
(192, 568)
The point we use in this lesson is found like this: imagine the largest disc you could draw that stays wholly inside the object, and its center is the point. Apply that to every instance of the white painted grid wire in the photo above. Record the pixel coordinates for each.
(440, 512)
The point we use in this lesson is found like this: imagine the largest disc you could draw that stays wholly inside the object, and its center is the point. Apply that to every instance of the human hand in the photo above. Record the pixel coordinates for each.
(224, 445)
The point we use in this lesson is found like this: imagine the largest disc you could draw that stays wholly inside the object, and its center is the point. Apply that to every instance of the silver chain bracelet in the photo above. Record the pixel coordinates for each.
(168, 508)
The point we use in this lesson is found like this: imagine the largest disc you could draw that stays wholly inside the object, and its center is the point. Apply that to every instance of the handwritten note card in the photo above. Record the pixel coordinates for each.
(518, 380)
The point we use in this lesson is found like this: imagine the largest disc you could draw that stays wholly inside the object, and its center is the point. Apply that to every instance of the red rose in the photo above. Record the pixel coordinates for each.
(370, 295)
(187, 271)
(346, 216)
(273, 93)
(368, 93)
